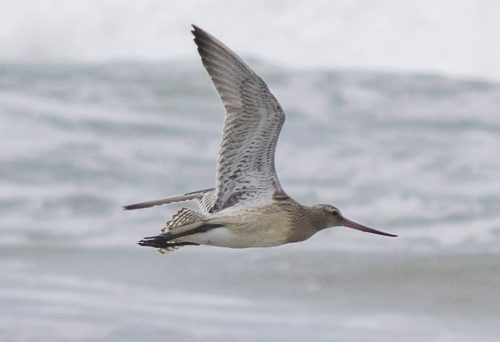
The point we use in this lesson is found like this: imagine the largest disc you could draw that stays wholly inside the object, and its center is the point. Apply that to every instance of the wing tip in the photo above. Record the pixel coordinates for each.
(141, 205)
(198, 33)
(203, 39)
(130, 207)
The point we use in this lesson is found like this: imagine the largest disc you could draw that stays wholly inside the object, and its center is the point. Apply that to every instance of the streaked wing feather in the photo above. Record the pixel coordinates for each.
(246, 171)
(183, 217)
(207, 202)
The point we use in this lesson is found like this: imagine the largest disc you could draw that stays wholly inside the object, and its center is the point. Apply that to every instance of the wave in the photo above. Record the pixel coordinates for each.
(411, 153)
(458, 38)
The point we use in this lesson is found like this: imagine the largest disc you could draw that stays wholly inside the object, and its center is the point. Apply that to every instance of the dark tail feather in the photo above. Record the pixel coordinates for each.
(167, 241)
(160, 241)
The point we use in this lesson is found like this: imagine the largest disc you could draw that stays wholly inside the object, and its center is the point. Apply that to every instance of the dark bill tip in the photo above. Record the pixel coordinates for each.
(357, 226)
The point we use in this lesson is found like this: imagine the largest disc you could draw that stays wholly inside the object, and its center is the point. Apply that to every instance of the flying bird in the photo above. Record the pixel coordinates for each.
(248, 207)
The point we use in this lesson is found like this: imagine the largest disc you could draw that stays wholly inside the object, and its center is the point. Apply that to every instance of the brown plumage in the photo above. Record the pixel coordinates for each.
(248, 207)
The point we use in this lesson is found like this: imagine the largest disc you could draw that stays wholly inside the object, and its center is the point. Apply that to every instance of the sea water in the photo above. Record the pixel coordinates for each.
(413, 154)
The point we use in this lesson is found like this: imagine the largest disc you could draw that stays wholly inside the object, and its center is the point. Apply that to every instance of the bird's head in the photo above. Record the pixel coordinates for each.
(332, 217)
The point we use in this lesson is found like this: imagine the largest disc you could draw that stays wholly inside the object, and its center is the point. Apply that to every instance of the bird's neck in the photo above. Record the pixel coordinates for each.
(317, 219)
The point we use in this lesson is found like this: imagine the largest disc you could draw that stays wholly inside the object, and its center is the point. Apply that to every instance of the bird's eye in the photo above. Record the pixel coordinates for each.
(335, 212)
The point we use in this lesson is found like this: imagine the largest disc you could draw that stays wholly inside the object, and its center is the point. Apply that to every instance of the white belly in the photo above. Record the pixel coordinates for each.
(225, 237)
(242, 230)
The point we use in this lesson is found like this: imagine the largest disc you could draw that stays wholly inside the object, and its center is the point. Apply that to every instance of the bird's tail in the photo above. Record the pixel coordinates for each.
(176, 232)
(163, 244)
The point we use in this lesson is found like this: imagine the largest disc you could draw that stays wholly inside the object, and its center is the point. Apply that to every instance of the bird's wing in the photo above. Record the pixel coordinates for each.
(254, 118)
(195, 195)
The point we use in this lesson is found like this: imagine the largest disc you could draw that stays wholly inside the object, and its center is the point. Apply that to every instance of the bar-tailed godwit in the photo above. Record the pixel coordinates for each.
(248, 207)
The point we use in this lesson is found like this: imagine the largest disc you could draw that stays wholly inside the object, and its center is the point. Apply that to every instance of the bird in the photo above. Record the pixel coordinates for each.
(248, 206)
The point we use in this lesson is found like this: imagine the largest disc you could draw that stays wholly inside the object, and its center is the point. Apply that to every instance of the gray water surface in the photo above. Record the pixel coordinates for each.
(412, 154)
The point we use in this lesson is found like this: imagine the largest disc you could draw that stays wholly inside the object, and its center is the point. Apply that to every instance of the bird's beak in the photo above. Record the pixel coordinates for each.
(354, 225)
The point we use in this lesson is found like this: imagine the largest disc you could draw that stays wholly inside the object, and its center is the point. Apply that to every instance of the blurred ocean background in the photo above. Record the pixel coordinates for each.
(88, 124)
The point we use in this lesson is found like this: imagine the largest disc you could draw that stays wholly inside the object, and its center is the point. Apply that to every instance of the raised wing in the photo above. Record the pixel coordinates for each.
(254, 118)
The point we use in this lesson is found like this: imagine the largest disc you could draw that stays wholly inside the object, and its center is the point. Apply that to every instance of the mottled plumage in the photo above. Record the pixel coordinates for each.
(247, 207)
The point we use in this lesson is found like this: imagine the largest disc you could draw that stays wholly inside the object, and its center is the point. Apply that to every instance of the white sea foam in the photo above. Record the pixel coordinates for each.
(80, 141)
(70, 162)
(458, 37)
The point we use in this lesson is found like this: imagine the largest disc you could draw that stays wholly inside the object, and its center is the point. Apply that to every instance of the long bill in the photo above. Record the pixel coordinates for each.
(357, 226)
